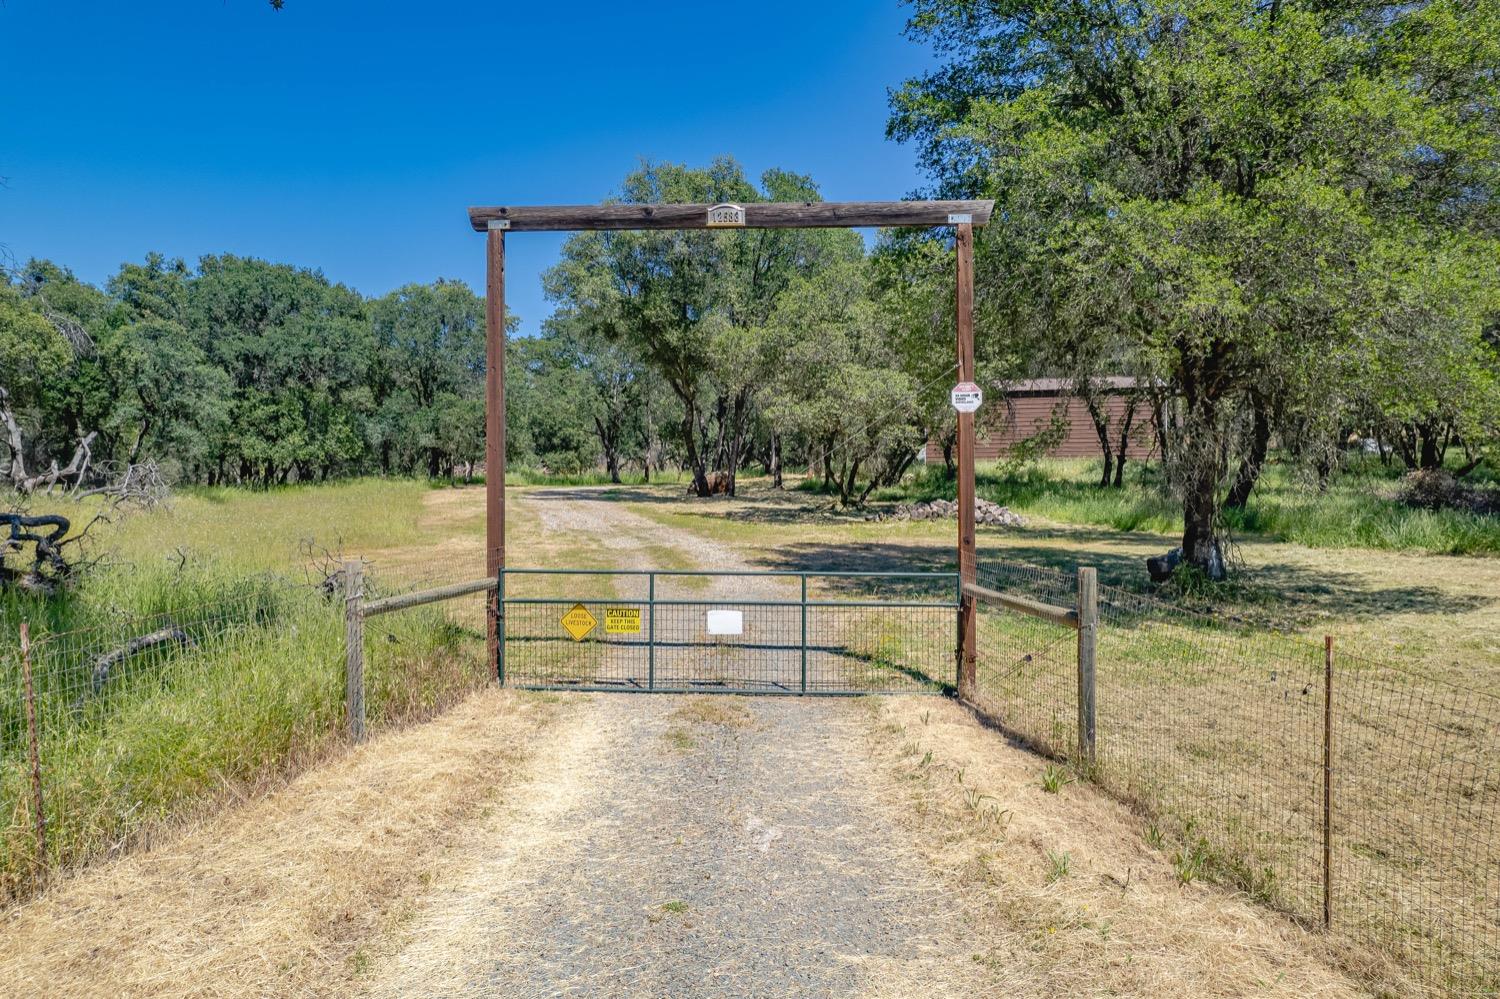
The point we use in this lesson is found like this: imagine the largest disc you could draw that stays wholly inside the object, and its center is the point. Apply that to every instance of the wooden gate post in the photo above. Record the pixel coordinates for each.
(494, 424)
(967, 562)
(1088, 635)
(354, 649)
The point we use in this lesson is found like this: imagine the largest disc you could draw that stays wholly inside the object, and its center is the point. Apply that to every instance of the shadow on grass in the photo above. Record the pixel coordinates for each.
(791, 511)
(1277, 595)
(628, 494)
(1274, 594)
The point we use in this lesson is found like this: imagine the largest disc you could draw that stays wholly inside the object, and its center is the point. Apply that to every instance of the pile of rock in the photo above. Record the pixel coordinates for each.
(985, 512)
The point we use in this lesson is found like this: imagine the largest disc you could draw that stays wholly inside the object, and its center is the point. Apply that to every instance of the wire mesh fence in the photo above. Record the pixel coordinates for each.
(419, 661)
(147, 717)
(1416, 858)
(1217, 731)
(1026, 675)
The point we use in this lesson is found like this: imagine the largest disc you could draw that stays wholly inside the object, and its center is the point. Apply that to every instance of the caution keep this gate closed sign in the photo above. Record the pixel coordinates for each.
(622, 620)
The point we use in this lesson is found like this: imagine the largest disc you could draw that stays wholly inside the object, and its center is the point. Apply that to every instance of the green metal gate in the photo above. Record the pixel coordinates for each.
(762, 632)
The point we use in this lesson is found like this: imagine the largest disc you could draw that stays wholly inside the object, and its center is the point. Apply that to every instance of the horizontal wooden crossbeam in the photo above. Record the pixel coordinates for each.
(765, 215)
(1065, 616)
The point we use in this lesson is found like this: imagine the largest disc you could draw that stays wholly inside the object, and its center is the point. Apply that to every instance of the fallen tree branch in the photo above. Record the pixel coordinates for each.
(47, 554)
(27, 484)
(99, 676)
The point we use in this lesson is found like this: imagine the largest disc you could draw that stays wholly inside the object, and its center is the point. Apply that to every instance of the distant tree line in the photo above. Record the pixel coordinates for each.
(705, 351)
(240, 371)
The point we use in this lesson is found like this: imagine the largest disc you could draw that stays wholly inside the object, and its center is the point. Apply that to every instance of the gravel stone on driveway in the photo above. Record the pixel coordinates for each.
(661, 854)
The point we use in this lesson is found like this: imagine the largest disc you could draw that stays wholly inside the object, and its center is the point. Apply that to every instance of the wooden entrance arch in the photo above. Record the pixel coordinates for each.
(495, 221)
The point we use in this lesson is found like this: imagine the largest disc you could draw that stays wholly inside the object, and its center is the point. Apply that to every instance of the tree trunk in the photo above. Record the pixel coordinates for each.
(735, 441)
(1123, 447)
(1159, 417)
(1200, 547)
(895, 470)
(1200, 453)
(1101, 430)
(1250, 466)
(1471, 462)
(694, 458)
(776, 461)
(847, 482)
(1432, 444)
(140, 439)
(609, 443)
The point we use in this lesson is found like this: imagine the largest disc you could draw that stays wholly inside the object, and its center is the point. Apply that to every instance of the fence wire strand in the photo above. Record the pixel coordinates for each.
(1215, 730)
(144, 717)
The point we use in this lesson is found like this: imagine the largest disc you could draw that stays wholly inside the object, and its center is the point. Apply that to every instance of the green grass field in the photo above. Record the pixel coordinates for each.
(1358, 510)
(258, 691)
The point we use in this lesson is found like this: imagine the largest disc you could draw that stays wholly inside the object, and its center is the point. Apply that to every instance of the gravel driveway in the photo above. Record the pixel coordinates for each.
(675, 846)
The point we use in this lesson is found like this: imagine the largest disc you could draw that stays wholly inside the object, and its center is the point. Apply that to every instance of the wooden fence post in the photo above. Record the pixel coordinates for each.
(1088, 629)
(37, 805)
(968, 565)
(354, 649)
(1327, 781)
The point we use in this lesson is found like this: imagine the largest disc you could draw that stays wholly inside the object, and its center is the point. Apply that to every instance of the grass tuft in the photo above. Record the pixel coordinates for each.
(1055, 778)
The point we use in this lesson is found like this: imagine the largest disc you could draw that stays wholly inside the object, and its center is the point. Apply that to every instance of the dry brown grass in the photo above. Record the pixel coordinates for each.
(1119, 922)
(283, 895)
(729, 712)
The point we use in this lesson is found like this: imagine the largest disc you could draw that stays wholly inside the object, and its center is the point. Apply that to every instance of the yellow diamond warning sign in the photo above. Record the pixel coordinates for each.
(622, 620)
(578, 621)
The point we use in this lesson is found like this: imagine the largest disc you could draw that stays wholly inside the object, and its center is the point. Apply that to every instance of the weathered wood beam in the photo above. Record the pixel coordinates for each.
(1065, 616)
(494, 431)
(968, 555)
(403, 601)
(767, 215)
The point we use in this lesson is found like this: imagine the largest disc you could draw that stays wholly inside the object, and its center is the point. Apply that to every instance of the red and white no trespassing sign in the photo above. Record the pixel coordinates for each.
(966, 397)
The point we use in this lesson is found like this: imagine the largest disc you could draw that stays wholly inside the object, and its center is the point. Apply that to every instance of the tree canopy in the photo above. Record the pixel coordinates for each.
(706, 312)
(1270, 208)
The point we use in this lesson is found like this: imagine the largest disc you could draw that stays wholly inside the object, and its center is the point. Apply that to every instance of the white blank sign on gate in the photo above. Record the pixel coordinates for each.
(726, 622)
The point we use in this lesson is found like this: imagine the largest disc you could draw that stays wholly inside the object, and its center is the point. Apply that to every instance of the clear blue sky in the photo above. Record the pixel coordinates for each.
(350, 136)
